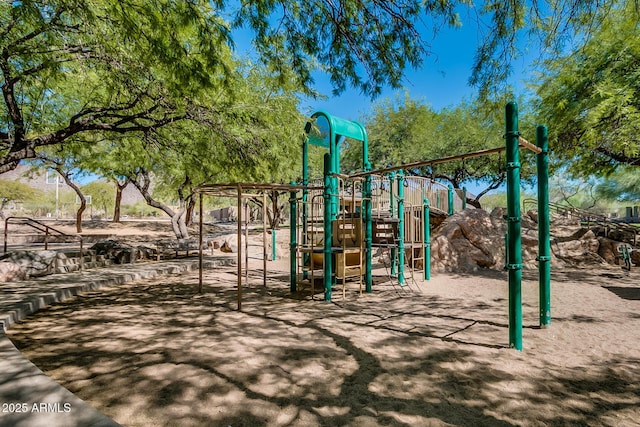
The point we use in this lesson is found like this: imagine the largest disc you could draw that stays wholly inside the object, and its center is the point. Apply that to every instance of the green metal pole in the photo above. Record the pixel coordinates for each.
(464, 198)
(450, 200)
(305, 199)
(274, 255)
(392, 207)
(514, 243)
(334, 167)
(368, 230)
(400, 180)
(506, 251)
(544, 242)
(293, 245)
(327, 267)
(367, 216)
(427, 240)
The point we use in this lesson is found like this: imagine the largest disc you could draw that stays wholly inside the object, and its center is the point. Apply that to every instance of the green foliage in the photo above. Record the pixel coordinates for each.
(404, 130)
(46, 204)
(368, 44)
(579, 193)
(94, 70)
(494, 200)
(16, 191)
(140, 210)
(590, 99)
(254, 137)
(365, 44)
(499, 200)
(622, 185)
(102, 195)
(80, 70)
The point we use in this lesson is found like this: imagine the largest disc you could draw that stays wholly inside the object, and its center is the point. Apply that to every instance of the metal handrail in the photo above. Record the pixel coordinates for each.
(47, 230)
(591, 217)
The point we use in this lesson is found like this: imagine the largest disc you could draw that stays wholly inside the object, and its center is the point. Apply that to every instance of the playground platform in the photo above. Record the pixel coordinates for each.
(29, 398)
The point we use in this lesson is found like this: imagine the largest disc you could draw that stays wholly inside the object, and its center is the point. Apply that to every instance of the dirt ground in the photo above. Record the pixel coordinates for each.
(157, 353)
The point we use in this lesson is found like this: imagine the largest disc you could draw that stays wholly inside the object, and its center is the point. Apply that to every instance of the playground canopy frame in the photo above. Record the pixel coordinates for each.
(239, 191)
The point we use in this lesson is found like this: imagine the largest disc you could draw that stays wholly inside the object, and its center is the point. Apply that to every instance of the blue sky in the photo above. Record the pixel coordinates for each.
(442, 81)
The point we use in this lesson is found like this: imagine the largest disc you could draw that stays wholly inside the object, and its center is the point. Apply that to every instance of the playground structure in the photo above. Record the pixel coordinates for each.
(336, 224)
(399, 221)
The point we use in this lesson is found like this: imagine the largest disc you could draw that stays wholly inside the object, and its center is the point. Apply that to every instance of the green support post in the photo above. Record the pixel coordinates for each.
(274, 255)
(368, 230)
(506, 251)
(305, 199)
(544, 242)
(450, 201)
(293, 245)
(400, 180)
(392, 205)
(392, 208)
(464, 198)
(514, 244)
(328, 237)
(427, 240)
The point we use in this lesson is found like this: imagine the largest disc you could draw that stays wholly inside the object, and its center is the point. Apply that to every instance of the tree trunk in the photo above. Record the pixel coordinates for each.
(276, 217)
(79, 212)
(191, 205)
(83, 200)
(178, 222)
(119, 189)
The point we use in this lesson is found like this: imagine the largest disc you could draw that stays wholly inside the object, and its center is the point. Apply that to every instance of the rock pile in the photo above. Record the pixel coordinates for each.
(122, 252)
(474, 239)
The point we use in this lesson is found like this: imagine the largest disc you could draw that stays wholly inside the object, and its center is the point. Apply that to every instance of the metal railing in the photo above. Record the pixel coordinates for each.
(591, 219)
(49, 232)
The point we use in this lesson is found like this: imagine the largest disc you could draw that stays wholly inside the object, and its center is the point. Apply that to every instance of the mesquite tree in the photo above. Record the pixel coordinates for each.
(89, 70)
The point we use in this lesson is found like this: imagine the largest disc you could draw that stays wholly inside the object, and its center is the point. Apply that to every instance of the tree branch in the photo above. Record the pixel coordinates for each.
(8, 92)
(619, 157)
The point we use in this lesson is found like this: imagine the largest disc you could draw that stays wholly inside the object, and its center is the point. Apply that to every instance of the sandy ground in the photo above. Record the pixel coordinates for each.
(156, 353)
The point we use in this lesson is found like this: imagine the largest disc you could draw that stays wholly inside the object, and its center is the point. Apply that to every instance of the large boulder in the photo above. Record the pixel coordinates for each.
(578, 250)
(467, 241)
(10, 271)
(474, 239)
(24, 264)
